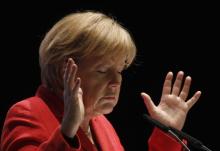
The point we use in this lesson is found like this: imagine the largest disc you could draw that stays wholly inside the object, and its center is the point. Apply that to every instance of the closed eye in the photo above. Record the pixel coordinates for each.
(120, 72)
(102, 72)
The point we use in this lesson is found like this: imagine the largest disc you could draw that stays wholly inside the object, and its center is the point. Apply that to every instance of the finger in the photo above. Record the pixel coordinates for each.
(77, 90)
(80, 92)
(177, 84)
(194, 99)
(148, 102)
(66, 73)
(72, 77)
(167, 83)
(185, 91)
(77, 87)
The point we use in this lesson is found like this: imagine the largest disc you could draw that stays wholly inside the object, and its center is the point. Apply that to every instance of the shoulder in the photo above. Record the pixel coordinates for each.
(30, 112)
(27, 106)
(31, 103)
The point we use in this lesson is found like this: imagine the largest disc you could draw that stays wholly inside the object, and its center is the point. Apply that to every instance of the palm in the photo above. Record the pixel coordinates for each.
(171, 111)
(73, 103)
(173, 106)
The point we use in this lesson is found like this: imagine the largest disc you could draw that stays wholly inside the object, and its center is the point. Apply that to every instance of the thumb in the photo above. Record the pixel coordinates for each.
(148, 102)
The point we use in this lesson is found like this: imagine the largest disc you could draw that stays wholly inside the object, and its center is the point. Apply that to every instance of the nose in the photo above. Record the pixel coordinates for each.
(115, 80)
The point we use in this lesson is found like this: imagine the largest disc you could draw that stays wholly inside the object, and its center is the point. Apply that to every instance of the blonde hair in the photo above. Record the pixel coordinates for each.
(80, 35)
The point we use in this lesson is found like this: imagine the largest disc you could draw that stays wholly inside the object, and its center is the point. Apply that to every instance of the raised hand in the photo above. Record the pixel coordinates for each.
(174, 105)
(73, 103)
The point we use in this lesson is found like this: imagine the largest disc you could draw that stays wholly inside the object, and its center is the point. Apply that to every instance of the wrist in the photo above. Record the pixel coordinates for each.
(69, 129)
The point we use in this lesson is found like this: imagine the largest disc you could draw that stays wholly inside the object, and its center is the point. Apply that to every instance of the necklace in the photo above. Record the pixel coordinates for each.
(88, 132)
(89, 135)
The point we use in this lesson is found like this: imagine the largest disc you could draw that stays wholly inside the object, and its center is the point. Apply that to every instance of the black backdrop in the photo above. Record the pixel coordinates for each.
(169, 37)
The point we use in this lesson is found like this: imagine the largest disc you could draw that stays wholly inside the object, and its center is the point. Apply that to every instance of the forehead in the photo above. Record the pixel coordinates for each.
(97, 61)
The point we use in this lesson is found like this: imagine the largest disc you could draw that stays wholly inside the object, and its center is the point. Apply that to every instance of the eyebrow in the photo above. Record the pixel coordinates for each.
(122, 67)
(102, 62)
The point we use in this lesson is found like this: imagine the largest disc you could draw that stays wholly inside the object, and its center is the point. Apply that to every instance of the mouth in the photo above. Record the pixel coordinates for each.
(109, 98)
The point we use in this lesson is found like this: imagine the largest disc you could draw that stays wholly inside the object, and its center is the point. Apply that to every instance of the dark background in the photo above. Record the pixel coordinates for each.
(169, 37)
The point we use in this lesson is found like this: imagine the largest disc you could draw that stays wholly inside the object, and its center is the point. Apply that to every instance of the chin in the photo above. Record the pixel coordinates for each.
(105, 108)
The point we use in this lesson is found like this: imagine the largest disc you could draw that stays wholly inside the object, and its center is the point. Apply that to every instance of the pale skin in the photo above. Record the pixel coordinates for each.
(73, 104)
(174, 105)
(101, 81)
(87, 88)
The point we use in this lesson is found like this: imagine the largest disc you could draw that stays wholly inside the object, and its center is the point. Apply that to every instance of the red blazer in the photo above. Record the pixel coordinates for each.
(34, 125)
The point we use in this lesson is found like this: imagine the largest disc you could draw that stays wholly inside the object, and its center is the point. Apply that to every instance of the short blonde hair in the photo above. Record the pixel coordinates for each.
(80, 35)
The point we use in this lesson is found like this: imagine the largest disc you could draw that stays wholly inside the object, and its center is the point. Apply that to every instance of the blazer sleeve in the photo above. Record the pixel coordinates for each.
(160, 141)
(24, 131)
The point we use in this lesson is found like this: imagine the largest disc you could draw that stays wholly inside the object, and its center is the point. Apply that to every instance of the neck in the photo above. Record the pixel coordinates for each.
(85, 124)
(86, 129)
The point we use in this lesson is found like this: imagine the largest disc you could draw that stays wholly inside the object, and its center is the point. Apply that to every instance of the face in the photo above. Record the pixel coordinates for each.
(101, 81)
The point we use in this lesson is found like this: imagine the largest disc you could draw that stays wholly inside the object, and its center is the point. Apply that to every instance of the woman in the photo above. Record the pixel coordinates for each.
(81, 60)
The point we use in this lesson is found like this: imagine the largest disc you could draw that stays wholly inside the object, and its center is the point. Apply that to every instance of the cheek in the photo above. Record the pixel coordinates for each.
(93, 88)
